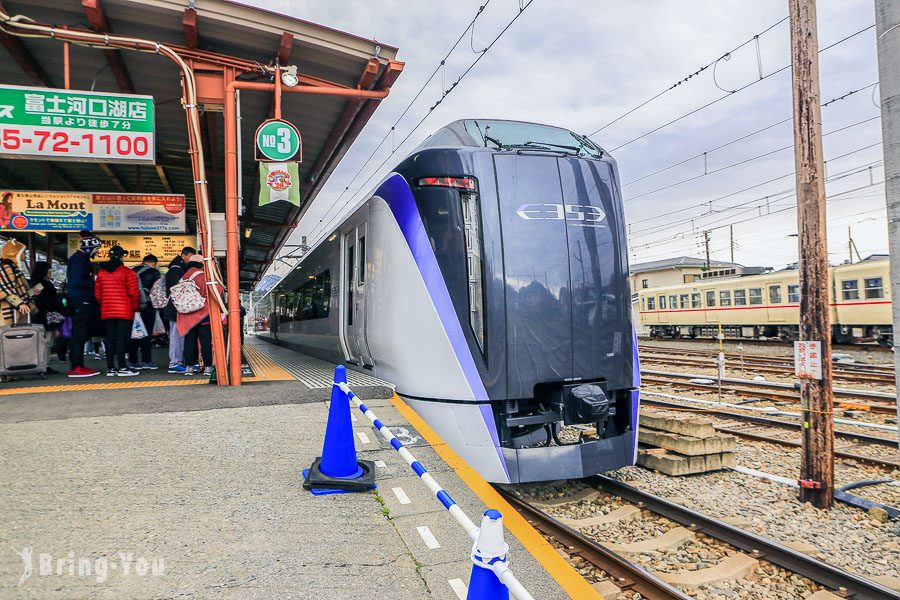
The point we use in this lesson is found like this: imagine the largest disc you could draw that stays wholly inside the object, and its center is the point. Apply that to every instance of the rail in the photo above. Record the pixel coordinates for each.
(628, 576)
(849, 584)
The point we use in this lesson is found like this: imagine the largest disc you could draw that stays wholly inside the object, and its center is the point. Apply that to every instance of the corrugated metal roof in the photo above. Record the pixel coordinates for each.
(224, 27)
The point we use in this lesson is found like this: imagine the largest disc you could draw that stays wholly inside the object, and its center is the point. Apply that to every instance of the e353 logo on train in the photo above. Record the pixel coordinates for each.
(577, 215)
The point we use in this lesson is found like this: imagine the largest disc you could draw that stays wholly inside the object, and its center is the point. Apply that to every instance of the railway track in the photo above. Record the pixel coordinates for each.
(629, 576)
(852, 446)
(783, 366)
(776, 342)
(880, 402)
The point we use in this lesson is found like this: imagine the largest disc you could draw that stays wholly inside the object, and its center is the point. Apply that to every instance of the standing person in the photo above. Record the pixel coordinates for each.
(195, 326)
(82, 302)
(49, 308)
(176, 340)
(119, 296)
(14, 293)
(147, 274)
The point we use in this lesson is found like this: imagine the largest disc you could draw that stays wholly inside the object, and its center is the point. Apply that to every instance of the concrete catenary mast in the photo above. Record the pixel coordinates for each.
(887, 30)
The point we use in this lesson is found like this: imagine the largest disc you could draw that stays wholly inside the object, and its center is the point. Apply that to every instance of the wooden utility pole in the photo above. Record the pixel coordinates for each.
(731, 237)
(706, 243)
(817, 466)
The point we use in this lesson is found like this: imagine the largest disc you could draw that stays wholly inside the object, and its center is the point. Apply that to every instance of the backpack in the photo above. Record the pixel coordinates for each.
(158, 296)
(186, 296)
(143, 290)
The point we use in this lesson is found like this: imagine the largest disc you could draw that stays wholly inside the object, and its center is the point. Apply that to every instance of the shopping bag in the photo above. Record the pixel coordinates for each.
(138, 329)
(65, 328)
(159, 328)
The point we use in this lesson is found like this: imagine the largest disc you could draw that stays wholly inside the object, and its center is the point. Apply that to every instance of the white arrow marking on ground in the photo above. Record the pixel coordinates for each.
(459, 588)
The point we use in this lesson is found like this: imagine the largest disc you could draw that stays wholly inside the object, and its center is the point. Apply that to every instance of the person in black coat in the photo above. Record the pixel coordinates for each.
(147, 275)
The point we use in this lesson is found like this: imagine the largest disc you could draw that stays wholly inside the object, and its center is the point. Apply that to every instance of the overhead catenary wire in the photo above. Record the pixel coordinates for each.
(690, 76)
(744, 161)
(430, 111)
(734, 92)
(706, 153)
(440, 68)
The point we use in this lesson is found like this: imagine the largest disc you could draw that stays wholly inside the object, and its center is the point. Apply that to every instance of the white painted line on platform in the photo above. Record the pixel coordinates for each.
(401, 495)
(428, 537)
(353, 417)
(380, 464)
(363, 437)
(459, 588)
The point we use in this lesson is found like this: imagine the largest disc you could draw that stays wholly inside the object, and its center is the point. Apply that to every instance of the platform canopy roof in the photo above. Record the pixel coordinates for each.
(328, 124)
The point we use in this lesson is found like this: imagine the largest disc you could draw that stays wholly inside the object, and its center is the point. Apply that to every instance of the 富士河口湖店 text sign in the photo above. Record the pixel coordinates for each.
(74, 125)
(77, 211)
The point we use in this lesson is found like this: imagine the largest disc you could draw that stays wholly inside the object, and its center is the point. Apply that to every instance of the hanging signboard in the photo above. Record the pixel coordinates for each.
(77, 211)
(164, 247)
(278, 141)
(53, 124)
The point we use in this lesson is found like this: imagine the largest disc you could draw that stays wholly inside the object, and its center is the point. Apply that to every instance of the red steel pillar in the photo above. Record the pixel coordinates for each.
(232, 280)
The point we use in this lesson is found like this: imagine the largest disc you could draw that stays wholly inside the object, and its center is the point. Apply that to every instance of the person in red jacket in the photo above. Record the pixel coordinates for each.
(119, 297)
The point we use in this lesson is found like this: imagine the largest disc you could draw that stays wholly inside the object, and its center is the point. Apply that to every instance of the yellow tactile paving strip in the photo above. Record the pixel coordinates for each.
(264, 367)
(82, 387)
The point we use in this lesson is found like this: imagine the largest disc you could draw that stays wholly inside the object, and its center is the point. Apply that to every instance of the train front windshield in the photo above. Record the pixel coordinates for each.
(514, 135)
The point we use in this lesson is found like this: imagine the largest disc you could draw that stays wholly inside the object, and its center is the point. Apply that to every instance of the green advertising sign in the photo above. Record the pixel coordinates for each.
(278, 141)
(74, 125)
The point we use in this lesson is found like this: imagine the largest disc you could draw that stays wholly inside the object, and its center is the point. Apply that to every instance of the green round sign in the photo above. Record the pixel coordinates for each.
(277, 140)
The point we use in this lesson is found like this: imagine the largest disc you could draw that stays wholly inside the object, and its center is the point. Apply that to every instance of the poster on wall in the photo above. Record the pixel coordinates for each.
(164, 247)
(77, 211)
(139, 212)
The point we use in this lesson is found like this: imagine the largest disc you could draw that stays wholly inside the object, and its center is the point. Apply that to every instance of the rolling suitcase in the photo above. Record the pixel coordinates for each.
(22, 350)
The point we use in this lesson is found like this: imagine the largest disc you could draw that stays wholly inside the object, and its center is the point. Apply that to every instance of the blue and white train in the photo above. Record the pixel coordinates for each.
(487, 278)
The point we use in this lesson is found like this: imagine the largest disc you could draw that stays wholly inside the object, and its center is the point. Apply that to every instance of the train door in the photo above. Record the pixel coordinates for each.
(355, 296)
(709, 301)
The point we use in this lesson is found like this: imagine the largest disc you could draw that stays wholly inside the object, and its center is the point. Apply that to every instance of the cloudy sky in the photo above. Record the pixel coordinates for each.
(581, 64)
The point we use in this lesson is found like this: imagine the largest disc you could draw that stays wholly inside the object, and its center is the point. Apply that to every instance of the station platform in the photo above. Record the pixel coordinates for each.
(103, 482)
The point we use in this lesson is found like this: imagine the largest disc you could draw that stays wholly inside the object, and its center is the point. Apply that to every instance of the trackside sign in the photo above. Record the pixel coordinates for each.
(72, 125)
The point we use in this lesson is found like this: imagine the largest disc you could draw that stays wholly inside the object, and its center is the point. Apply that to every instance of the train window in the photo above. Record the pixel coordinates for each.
(662, 303)
(755, 295)
(775, 294)
(725, 298)
(362, 260)
(794, 294)
(651, 303)
(684, 301)
(643, 304)
(673, 301)
(710, 299)
(850, 289)
(874, 288)
(695, 300)
(740, 297)
(645, 284)
(351, 261)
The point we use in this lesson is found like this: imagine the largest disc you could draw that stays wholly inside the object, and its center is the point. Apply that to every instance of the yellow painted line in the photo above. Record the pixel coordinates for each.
(264, 367)
(84, 387)
(565, 575)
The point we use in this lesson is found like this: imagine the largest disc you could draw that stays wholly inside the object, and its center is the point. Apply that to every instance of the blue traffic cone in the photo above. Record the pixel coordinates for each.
(338, 469)
(489, 549)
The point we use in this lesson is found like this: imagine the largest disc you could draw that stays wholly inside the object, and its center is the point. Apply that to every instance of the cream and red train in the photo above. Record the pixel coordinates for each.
(767, 306)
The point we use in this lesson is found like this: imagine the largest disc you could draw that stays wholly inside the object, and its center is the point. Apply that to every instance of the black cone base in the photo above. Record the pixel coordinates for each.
(316, 479)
